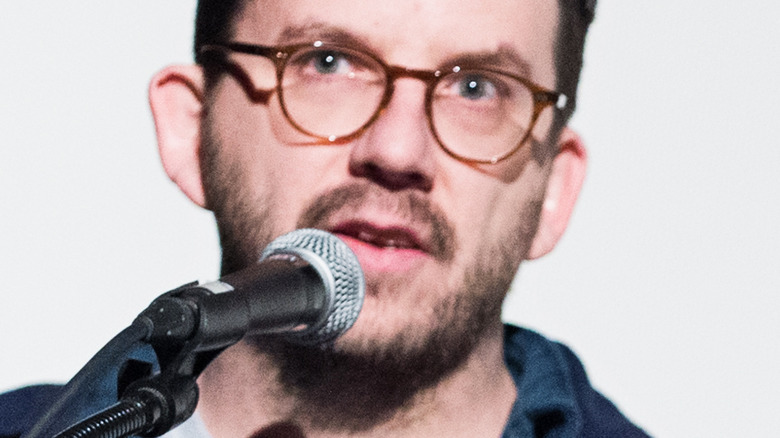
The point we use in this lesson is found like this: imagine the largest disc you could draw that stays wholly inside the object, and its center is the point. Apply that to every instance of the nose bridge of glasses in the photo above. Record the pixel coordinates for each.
(429, 77)
(395, 72)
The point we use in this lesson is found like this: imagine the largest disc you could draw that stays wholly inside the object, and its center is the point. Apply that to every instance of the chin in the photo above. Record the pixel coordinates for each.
(395, 312)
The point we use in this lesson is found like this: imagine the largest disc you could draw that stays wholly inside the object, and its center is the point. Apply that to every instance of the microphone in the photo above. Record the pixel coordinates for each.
(307, 287)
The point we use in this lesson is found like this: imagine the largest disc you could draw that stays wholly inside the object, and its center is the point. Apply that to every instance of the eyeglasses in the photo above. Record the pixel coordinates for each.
(334, 93)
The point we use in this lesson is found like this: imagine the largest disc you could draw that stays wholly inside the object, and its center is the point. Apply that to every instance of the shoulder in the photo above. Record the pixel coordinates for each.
(543, 368)
(600, 416)
(20, 408)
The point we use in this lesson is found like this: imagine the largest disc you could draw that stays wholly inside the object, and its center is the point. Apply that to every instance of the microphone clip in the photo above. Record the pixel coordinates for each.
(153, 402)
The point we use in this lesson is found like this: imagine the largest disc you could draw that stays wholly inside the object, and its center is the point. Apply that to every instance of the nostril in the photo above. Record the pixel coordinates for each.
(392, 179)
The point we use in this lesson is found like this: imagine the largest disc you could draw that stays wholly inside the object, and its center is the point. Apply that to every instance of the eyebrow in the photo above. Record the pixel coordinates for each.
(505, 57)
(316, 30)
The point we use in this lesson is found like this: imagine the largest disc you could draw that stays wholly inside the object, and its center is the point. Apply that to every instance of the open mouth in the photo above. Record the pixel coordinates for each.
(384, 238)
(383, 249)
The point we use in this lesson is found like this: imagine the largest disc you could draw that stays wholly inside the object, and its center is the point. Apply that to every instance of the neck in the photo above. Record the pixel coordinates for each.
(245, 392)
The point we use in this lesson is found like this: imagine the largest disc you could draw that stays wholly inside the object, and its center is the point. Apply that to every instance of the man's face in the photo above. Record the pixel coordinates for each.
(439, 239)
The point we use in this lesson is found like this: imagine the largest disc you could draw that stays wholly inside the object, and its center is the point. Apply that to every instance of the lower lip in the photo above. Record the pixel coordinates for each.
(378, 259)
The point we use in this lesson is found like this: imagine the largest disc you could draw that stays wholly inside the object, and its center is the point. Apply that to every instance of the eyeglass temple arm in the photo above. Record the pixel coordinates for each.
(559, 100)
(257, 95)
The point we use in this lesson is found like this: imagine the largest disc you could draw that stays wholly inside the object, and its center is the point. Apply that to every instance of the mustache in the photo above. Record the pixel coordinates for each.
(410, 206)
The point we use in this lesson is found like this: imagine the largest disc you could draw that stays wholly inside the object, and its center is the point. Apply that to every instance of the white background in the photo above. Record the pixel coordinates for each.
(666, 283)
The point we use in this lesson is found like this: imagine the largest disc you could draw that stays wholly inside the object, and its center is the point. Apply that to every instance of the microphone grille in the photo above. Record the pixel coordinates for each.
(341, 274)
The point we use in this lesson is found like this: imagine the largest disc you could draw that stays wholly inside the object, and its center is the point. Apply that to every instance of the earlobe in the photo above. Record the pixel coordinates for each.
(176, 98)
(563, 188)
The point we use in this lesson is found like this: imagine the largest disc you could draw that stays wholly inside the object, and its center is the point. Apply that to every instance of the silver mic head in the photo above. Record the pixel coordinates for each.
(341, 274)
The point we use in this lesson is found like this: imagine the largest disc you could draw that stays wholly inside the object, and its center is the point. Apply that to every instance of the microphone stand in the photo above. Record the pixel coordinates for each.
(309, 278)
(153, 399)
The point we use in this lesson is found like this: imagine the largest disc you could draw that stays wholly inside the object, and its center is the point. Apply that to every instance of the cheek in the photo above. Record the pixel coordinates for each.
(284, 177)
(486, 211)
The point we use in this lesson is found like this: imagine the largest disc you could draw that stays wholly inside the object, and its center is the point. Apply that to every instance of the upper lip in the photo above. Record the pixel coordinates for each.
(384, 236)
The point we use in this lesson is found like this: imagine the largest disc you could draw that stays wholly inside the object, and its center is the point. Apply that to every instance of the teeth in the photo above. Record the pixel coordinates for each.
(373, 239)
(365, 236)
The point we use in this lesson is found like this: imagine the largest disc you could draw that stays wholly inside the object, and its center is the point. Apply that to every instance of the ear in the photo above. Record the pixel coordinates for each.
(176, 98)
(563, 187)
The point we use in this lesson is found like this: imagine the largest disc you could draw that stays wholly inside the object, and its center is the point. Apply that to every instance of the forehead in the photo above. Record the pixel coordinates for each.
(414, 33)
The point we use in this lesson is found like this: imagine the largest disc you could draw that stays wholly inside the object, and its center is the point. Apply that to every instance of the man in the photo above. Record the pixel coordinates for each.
(431, 137)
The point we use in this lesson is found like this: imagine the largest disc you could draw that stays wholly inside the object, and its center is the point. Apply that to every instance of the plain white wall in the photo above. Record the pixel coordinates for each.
(665, 283)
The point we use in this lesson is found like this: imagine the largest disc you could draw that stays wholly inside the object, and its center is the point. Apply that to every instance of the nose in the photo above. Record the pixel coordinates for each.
(398, 150)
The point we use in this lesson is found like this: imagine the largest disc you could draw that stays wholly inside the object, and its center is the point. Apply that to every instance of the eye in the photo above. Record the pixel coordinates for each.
(476, 87)
(327, 63)
(330, 62)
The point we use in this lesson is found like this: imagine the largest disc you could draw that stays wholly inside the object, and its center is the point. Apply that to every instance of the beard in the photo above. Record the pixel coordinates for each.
(354, 385)
(367, 376)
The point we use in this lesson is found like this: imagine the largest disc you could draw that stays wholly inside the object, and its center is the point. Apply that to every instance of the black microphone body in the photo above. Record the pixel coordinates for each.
(308, 287)
(282, 293)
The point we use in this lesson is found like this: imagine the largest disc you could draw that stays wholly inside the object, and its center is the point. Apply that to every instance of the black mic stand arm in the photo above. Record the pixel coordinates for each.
(185, 338)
